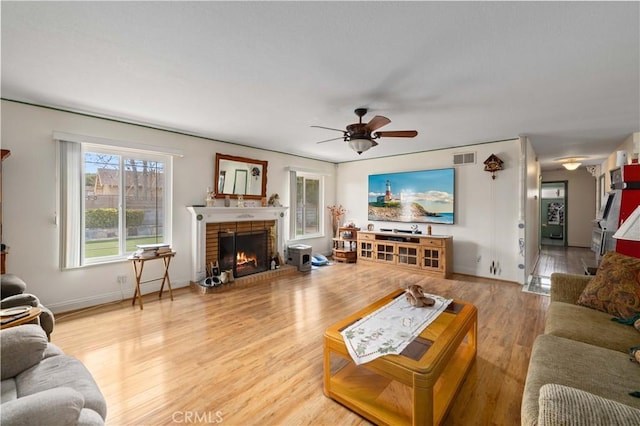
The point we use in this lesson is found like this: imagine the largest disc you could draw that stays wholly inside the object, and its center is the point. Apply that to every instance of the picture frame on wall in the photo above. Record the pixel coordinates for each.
(425, 196)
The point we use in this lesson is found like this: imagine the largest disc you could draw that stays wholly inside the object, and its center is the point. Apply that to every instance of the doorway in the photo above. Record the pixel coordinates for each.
(553, 213)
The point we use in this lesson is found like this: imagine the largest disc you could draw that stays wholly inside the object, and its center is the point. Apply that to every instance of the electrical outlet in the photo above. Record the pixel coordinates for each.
(122, 279)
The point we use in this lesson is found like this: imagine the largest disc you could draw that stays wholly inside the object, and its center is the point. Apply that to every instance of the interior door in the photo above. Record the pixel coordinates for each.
(553, 217)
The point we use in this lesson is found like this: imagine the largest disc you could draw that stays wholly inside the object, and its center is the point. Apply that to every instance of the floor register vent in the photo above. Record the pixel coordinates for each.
(464, 158)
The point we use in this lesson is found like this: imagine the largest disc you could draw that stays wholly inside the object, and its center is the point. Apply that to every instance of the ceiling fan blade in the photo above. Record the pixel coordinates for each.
(397, 134)
(333, 139)
(377, 122)
(329, 128)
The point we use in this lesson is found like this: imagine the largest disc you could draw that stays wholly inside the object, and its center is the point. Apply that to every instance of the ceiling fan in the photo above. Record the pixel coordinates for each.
(361, 136)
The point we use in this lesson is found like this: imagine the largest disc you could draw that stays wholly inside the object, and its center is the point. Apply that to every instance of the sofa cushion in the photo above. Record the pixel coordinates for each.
(602, 372)
(62, 370)
(589, 326)
(563, 405)
(52, 350)
(616, 287)
(90, 418)
(21, 347)
(8, 390)
(60, 406)
(567, 287)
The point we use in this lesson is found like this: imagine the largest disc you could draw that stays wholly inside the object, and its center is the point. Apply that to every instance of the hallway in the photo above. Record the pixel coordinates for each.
(562, 259)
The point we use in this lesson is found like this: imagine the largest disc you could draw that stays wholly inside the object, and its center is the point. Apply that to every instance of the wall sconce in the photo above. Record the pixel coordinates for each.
(492, 165)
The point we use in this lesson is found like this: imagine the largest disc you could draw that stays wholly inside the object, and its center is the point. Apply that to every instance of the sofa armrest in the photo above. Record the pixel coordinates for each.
(23, 299)
(47, 320)
(10, 284)
(564, 405)
(21, 347)
(57, 406)
(568, 287)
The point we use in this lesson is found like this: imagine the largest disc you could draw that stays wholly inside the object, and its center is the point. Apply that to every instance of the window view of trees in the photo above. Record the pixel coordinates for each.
(123, 203)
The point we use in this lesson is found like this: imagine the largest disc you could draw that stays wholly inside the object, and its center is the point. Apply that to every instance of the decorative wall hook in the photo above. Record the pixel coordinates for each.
(492, 165)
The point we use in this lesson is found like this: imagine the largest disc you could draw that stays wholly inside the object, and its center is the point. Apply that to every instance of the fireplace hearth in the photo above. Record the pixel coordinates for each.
(244, 253)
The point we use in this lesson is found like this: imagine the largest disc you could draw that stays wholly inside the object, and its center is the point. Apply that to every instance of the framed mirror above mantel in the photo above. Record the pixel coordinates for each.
(240, 176)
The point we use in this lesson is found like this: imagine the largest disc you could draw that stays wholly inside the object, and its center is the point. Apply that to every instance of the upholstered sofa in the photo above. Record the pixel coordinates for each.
(43, 386)
(13, 293)
(581, 371)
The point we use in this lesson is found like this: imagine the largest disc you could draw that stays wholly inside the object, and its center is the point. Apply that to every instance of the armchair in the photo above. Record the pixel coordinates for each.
(12, 293)
(43, 386)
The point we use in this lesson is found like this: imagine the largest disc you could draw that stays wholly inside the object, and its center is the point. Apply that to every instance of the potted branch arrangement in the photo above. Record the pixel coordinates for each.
(336, 213)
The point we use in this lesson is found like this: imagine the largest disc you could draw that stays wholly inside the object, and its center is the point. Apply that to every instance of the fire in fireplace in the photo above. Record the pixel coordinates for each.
(243, 252)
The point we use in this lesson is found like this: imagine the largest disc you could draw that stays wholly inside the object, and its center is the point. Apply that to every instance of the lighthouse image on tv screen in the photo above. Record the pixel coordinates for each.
(420, 196)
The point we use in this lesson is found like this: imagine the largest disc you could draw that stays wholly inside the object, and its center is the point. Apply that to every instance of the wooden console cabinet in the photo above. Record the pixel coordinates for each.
(430, 254)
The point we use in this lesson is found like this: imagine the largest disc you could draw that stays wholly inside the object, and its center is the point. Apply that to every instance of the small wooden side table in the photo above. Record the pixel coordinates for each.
(34, 313)
(138, 265)
(345, 245)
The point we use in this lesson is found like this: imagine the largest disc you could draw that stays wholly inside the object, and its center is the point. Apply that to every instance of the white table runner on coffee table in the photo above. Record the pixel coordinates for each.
(390, 329)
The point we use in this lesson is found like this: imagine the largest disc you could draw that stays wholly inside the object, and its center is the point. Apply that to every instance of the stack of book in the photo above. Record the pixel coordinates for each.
(151, 250)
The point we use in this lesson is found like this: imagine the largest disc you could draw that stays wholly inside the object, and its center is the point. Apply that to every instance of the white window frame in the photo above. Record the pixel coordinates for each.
(294, 174)
(71, 167)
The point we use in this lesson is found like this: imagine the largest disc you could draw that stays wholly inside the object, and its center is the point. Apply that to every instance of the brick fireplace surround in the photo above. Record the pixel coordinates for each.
(207, 221)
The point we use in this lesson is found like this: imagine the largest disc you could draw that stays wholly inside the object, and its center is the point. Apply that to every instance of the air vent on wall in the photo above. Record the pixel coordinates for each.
(464, 158)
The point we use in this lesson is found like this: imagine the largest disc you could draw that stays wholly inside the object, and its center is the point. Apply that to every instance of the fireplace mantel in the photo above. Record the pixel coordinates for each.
(200, 216)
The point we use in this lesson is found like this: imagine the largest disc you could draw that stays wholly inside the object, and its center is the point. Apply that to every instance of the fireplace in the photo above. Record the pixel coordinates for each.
(208, 222)
(245, 253)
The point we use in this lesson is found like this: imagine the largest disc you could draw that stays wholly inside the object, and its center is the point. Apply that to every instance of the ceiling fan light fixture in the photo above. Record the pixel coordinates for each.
(360, 145)
(571, 165)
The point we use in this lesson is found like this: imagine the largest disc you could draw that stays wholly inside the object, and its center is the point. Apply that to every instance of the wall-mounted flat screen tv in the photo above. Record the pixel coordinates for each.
(420, 196)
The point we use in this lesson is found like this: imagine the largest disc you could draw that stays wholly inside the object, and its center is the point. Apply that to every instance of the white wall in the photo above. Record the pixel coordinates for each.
(532, 207)
(581, 197)
(29, 201)
(487, 212)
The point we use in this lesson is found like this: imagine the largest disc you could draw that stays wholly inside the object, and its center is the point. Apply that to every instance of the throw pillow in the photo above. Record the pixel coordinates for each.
(616, 287)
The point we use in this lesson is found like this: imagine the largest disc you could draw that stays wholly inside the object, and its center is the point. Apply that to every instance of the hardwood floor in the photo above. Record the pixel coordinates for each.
(562, 259)
(252, 354)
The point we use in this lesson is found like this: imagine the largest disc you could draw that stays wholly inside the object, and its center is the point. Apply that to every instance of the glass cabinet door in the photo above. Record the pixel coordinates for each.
(385, 252)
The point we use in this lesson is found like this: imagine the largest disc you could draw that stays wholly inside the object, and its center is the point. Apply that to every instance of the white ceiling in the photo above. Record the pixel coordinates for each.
(566, 74)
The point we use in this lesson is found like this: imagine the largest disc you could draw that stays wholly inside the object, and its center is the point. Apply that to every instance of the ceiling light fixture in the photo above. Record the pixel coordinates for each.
(360, 145)
(571, 165)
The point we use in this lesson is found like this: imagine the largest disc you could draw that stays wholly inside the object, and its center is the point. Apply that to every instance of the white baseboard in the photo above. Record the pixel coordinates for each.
(101, 299)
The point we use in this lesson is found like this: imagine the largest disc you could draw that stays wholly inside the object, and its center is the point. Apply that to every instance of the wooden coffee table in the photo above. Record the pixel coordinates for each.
(416, 387)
